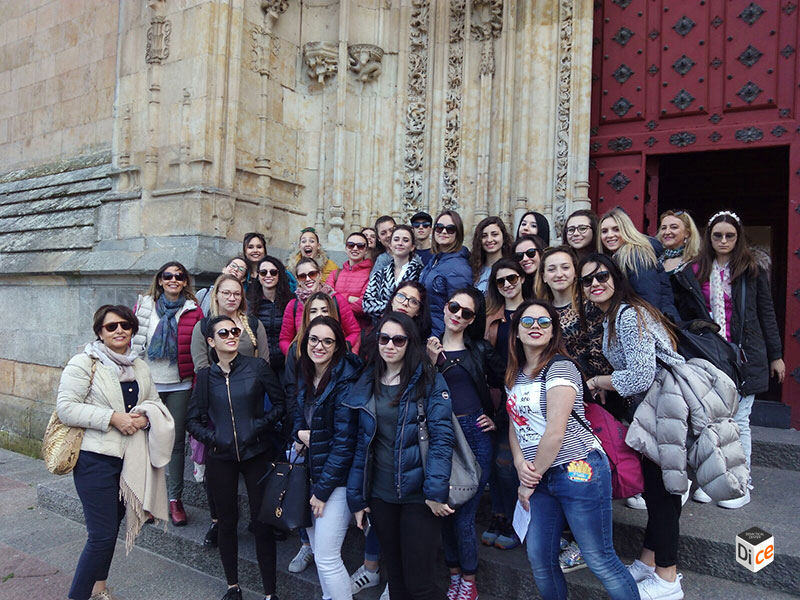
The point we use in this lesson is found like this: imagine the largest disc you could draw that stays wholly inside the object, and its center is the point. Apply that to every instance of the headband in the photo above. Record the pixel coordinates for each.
(725, 213)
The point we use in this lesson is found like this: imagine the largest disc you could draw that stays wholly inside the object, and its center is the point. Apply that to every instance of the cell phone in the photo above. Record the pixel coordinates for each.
(367, 524)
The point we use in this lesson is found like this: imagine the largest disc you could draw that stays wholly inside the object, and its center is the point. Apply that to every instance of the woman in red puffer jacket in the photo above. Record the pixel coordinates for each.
(350, 282)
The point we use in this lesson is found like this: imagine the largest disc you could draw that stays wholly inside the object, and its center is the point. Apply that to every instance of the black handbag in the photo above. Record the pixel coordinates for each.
(287, 490)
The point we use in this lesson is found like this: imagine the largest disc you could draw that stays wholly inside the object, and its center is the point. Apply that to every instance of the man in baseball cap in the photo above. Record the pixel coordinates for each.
(422, 223)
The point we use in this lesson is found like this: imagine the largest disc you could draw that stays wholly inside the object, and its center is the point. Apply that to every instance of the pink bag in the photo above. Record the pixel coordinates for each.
(199, 451)
(626, 464)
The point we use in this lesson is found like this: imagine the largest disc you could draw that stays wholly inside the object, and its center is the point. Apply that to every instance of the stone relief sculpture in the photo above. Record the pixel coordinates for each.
(365, 61)
(486, 26)
(564, 95)
(452, 128)
(158, 40)
(322, 60)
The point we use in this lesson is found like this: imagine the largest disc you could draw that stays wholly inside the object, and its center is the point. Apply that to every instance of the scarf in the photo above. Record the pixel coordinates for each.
(121, 364)
(303, 294)
(165, 339)
(719, 286)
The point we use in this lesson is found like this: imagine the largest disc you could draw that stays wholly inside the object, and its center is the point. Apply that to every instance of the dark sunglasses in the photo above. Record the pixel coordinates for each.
(359, 245)
(454, 307)
(309, 275)
(723, 236)
(270, 272)
(530, 253)
(600, 276)
(177, 276)
(403, 299)
(451, 229)
(544, 322)
(511, 279)
(423, 224)
(112, 327)
(398, 340)
(224, 333)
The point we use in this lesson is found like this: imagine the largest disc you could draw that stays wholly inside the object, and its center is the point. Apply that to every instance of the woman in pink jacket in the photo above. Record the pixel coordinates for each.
(309, 281)
(351, 280)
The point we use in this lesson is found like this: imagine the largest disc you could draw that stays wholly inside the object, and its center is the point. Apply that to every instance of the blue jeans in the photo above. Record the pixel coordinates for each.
(458, 530)
(503, 479)
(742, 418)
(372, 547)
(587, 508)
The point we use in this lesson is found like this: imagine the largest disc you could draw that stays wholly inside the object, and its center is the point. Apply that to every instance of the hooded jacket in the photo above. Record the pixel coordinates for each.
(352, 280)
(686, 422)
(446, 273)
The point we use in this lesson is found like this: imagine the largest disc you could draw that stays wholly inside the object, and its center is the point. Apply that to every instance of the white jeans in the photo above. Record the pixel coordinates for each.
(742, 418)
(327, 536)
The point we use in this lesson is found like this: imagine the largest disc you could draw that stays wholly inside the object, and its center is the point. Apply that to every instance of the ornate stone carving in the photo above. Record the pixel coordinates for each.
(263, 45)
(487, 19)
(158, 40)
(274, 8)
(564, 95)
(365, 61)
(322, 60)
(452, 125)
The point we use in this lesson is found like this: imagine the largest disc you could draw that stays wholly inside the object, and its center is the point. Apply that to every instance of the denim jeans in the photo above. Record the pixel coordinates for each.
(742, 418)
(586, 505)
(327, 536)
(372, 547)
(177, 403)
(458, 530)
(503, 479)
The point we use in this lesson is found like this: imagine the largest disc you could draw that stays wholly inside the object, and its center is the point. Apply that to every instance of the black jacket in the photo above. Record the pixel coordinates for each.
(271, 316)
(653, 284)
(226, 412)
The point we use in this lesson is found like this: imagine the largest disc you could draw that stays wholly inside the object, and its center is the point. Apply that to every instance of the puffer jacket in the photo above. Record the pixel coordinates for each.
(352, 280)
(228, 413)
(93, 412)
(293, 319)
(446, 273)
(382, 285)
(686, 422)
(410, 477)
(333, 428)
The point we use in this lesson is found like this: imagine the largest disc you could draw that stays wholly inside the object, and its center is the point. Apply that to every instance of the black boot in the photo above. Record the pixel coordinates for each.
(233, 593)
(210, 540)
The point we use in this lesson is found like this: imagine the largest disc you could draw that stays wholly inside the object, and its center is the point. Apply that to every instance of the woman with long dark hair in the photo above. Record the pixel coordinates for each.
(580, 232)
(534, 223)
(267, 299)
(490, 243)
(254, 248)
(528, 253)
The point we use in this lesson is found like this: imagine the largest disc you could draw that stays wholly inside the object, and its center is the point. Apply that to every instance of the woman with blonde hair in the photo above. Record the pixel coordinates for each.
(678, 235)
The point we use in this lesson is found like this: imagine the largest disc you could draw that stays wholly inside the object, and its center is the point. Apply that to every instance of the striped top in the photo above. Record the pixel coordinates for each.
(527, 409)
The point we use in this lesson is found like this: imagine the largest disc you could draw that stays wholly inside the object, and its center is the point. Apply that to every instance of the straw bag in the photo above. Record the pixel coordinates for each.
(62, 444)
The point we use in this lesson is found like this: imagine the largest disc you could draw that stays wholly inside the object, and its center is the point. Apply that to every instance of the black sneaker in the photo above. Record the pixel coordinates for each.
(233, 593)
(210, 541)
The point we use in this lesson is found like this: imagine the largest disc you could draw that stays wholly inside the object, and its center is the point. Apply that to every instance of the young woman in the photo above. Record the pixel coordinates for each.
(580, 232)
(99, 391)
(372, 242)
(167, 315)
(678, 235)
(470, 366)
(528, 253)
(254, 248)
(490, 243)
(326, 428)
(227, 414)
(405, 266)
(636, 254)
(309, 246)
(267, 300)
(534, 223)
(237, 266)
(410, 298)
(449, 269)
(388, 479)
(308, 283)
(351, 280)
(636, 337)
(564, 476)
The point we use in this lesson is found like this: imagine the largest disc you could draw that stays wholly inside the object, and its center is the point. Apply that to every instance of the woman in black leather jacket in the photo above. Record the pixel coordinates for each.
(227, 413)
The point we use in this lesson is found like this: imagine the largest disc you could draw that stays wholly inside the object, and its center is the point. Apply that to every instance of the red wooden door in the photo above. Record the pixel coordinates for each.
(674, 76)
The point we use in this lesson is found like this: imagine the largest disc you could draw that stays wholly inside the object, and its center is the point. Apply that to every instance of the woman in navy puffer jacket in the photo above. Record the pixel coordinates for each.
(403, 497)
(449, 269)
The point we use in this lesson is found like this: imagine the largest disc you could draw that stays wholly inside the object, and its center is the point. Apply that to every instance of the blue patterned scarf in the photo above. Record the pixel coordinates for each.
(165, 339)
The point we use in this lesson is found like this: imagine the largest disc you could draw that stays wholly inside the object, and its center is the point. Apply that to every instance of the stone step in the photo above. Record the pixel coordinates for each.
(776, 448)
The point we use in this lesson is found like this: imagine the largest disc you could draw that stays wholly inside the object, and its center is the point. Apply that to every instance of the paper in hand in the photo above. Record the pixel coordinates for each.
(522, 519)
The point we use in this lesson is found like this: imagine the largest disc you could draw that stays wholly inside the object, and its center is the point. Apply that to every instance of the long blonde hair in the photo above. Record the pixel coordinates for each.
(692, 246)
(636, 250)
(241, 312)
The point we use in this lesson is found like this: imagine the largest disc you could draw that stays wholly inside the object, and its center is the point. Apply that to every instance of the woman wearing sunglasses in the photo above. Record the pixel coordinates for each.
(580, 232)
(103, 390)
(527, 251)
(564, 476)
(449, 270)
(636, 339)
(267, 301)
(490, 243)
(470, 366)
(405, 266)
(309, 246)
(237, 266)
(309, 282)
(167, 316)
(227, 414)
(534, 223)
(388, 480)
(326, 428)
(351, 280)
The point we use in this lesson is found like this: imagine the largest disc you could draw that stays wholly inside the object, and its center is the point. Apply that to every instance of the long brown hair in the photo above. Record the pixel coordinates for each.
(494, 299)
(459, 239)
(741, 260)
(477, 257)
(333, 312)
(307, 368)
(543, 289)
(516, 351)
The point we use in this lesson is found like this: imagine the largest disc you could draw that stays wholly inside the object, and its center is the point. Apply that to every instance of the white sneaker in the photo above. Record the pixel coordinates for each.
(303, 558)
(636, 502)
(736, 502)
(655, 588)
(363, 579)
(701, 497)
(686, 494)
(640, 571)
(385, 594)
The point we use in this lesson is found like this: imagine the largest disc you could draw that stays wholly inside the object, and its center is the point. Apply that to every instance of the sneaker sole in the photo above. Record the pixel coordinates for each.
(676, 596)
(366, 586)
(573, 568)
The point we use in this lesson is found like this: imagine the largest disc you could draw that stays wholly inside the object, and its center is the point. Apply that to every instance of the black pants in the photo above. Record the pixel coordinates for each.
(409, 535)
(663, 516)
(223, 483)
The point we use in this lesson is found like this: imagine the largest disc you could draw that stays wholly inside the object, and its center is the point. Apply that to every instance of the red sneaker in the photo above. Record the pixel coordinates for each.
(455, 586)
(467, 591)
(177, 514)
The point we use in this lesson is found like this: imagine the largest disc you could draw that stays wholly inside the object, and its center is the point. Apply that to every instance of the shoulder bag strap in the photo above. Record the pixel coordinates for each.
(92, 371)
(422, 432)
(741, 314)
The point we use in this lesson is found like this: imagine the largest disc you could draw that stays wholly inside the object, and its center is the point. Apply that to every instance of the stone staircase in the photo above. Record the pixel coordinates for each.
(706, 554)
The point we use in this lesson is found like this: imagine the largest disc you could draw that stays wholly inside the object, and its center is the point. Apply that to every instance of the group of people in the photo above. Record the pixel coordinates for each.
(368, 368)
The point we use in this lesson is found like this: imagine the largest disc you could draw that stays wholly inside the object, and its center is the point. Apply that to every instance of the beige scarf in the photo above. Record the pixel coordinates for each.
(143, 484)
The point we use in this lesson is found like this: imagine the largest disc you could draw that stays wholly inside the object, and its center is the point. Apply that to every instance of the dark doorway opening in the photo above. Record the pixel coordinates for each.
(752, 183)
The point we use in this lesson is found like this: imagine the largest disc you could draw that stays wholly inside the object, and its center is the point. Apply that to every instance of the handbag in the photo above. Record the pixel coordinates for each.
(287, 490)
(465, 473)
(61, 444)
(699, 338)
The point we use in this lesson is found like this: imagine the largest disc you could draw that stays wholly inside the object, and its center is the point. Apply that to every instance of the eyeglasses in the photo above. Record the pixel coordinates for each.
(166, 276)
(309, 275)
(544, 322)
(359, 245)
(577, 228)
(224, 333)
(530, 253)
(454, 307)
(398, 340)
(422, 224)
(718, 237)
(403, 299)
(511, 279)
(229, 294)
(112, 327)
(237, 268)
(600, 276)
(450, 229)
(314, 341)
(270, 272)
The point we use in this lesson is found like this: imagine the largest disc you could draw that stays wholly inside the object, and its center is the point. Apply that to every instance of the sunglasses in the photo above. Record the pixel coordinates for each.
(511, 279)
(112, 327)
(423, 224)
(224, 333)
(577, 228)
(270, 272)
(314, 341)
(359, 245)
(723, 236)
(544, 322)
(170, 276)
(403, 299)
(530, 253)
(398, 340)
(454, 307)
(600, 276)
(309, 275)
(450, 229)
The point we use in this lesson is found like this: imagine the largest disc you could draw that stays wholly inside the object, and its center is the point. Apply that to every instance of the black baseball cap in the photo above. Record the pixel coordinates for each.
(422, 216)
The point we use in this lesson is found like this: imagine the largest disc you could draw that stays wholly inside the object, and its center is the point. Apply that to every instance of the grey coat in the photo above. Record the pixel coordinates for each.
(686, 422)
